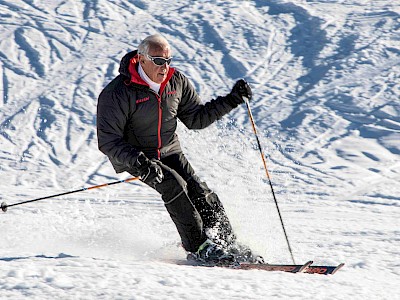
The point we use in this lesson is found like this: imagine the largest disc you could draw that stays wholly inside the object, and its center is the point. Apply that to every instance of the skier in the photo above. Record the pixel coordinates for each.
(137, 117)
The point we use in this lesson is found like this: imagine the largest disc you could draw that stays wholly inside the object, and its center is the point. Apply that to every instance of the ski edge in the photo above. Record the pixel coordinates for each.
(275, 267)
(307, 268)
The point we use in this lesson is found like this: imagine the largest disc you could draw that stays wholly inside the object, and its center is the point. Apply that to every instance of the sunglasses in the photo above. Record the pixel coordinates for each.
(159, 61)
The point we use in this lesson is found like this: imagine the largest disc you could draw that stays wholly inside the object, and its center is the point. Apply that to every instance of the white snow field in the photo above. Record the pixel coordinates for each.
(325, 76)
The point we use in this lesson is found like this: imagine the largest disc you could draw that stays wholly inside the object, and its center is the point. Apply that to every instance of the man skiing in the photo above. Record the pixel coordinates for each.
(137, 117)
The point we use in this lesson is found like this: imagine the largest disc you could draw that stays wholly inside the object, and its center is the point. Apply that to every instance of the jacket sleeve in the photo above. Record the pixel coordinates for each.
(112, 115)
(196, 115)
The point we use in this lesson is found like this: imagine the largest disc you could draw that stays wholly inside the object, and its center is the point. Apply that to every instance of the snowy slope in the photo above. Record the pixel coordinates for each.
(327, 105)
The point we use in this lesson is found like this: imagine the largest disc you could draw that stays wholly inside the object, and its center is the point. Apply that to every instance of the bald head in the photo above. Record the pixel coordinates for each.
(155, 42)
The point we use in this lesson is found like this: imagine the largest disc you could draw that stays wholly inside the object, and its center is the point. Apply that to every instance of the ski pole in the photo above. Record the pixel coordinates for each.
(269, 178)
(5, 206)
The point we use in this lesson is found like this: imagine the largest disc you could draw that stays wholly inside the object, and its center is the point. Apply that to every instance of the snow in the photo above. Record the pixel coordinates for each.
(325, 75)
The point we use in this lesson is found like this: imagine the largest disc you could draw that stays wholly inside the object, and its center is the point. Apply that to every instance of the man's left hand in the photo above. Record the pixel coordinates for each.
(241, 89)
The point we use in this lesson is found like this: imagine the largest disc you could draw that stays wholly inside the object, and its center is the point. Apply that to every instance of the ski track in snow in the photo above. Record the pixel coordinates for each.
(326, 78)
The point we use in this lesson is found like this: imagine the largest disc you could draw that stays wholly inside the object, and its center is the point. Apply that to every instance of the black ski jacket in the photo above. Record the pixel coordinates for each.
(132, 118)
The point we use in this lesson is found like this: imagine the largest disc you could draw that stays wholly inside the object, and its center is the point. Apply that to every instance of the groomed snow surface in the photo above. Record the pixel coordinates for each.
(325, 76)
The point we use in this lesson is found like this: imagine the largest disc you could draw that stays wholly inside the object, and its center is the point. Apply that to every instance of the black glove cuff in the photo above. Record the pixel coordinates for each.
(234, 99)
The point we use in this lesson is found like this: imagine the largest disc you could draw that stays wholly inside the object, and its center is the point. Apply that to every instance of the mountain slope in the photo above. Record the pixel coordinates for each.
(326, 102)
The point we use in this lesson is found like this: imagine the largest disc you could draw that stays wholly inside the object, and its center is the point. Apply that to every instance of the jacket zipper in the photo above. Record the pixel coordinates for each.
(159, 128)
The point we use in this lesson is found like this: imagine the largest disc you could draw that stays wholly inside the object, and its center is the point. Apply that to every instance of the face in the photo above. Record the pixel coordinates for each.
(156, 73)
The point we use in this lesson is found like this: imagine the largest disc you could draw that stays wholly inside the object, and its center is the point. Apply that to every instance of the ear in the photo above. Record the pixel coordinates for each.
(141, 59)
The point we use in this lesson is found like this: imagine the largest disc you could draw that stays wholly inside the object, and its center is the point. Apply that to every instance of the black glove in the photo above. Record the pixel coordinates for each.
(150, 171)
(241, 89)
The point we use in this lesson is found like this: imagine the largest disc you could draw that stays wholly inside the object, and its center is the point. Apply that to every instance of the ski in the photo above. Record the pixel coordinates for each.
(323, 270)
(305, 268)
(274, 267)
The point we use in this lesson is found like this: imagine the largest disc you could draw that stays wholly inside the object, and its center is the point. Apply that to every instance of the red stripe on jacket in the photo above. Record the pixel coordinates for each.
(135, 78)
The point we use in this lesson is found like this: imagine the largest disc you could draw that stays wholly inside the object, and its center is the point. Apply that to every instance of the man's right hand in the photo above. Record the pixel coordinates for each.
(150, 171)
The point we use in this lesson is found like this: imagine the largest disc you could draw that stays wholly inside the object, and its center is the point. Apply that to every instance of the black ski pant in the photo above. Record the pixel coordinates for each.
(197, 212)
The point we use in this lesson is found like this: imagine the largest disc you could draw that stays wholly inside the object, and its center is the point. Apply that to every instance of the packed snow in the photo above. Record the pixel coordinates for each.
(325, 76)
